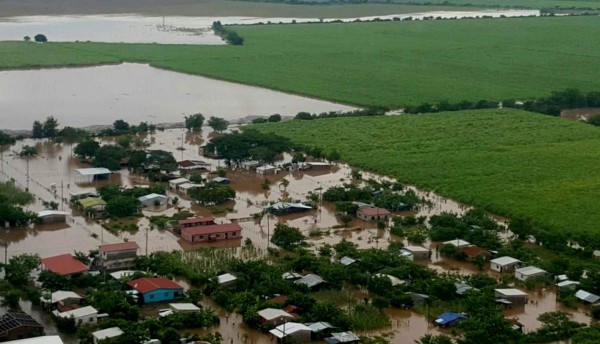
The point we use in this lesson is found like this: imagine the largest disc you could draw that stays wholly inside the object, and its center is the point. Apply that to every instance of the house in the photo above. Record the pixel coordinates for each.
(514, 296)
(88, 175)
(504, 264)
(458, 243)
(38, 340)
(221, 180)
(153, 199)
(347, 261)
(193, 165)
(267, 169)
(52, 216)
(320, 326)
(473, 253)
(419, 299)
(185, 188)
(567, 284)
(226, 280)
(118, 256)
(211, 232)
(281, 208)
(274, 316)
(156, 289)
(393, 280)
(92, 203)
(123, 274)
(64, 265)
(174, 183)
(184, 307)
(463, 288)
(587, 297)
(528, 272)
(415, 252)
(372, 214)
(203, 221)
(106, 335)
(342, 337)
(310, 280)
(299, 333)
(316, 165)
(18, 326)
(449, 319)
(83, 315)
(76, 196)
(61, 299)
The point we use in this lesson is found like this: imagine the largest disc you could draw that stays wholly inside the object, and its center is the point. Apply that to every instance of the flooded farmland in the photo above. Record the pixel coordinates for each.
(136, 92)
(55, 166)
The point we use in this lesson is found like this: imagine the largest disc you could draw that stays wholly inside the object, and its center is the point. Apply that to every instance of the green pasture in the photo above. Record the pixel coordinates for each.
(510, 162)
(390, 64)
(537, 4)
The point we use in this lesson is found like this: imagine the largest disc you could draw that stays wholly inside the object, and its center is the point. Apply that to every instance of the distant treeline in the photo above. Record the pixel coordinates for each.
(334, 114)
(553, 105)
(229, 36)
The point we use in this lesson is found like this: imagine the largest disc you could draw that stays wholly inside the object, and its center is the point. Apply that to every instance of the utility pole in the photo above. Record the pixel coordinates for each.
(62, 195)
(5, 252)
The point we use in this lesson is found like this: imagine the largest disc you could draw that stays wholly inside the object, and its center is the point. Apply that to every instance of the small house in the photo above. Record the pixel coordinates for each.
(83, 315)
(52, 216)
(221, 180)
(514, 296)
(473, 253)
(185, 188)
(19, 325)
(267, 169)
(118, 256)
(156, 289)
(415, 252)
(320, 326)
(299, 333)
(60, 299)
(449, 319)
(193, 165)
(316, 165)
(567, 284)
(92, 203)
(458, 243)
(372, 214)
(274, 316)
(184, 307)
(226, 280)
(153, 199)
(211, 232)
(342, 338)
(89, 175)
(528, 272)
(107, 335)
(586, 297)
(174, 183)
(64, 265)
(504, 264)
(347, 261)
(281, 208)
(310, 280)
(77, 195)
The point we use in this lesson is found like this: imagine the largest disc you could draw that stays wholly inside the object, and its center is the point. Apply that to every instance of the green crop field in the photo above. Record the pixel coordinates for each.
(389, 64)
(549, 4)
(509, 162)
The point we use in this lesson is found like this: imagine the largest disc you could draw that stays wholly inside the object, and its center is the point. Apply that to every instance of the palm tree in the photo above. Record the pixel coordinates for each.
(28, 152)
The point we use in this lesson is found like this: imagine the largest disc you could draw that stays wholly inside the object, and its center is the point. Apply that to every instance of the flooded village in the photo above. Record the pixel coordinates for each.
(145, 208)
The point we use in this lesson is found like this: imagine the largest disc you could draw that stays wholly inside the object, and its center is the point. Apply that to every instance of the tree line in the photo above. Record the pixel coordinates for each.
(231, 37)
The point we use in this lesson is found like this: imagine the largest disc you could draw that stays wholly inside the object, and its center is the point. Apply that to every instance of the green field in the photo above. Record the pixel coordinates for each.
(510, 162)
(550, 4)
(389, 64)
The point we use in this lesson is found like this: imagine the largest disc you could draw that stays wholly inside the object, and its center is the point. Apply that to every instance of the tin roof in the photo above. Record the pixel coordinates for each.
(64, 265)
(123, 246)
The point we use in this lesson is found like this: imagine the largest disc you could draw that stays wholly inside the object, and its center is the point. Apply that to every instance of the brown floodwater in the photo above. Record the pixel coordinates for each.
(136, 93)
(55, 165)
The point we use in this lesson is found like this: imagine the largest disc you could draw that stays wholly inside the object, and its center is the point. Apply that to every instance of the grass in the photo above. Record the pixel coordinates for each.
(510, 162)
(390, 64)
(537, 4)
(13, 195)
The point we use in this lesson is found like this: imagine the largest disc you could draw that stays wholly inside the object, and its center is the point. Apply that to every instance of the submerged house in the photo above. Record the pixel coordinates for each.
(18, 326)
(449, 319)
(52, 216)
(299, 333)
(528, 272)
(415, 252)
(372, 214)
(281, 208)
(83, 315)
(512, 295)
(89, 175)
(505, 264)
(153, 199)
(274, 316)
(156, 289)
(92, 203)
(211, 232)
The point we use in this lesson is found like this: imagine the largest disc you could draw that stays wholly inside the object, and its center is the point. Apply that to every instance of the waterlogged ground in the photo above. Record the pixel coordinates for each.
(138, 93)
(55, 165)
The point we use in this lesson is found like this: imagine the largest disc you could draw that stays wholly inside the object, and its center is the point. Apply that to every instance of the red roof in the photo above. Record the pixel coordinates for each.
(212, 229)
(374, 211)
(201, 219)
(124, 246)
(148, 284)
(64, 265)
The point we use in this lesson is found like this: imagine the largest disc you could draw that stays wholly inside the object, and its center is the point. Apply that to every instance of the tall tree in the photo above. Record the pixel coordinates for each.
(218, 124)
(38, 130)
(194, 122)
(87, 149)
(50, 127)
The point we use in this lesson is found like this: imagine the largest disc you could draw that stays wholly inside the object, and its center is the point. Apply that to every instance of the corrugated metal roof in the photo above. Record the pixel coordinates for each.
(506, 260)
(286, 329)
(92, 171)
(310, 280)
(273, 313)
(587, 297)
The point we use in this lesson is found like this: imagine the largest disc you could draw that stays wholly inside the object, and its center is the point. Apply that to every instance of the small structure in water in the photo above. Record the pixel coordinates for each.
(89, 175)
(282, 208)
(450, 319)
(52, 216)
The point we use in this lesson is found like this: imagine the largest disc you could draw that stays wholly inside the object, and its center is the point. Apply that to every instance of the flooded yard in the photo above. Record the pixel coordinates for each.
(135, 93)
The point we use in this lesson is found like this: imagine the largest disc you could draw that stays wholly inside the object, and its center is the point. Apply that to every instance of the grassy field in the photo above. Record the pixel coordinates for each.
(389, 64)
(538, 4)
(510, 162)
(9, 8)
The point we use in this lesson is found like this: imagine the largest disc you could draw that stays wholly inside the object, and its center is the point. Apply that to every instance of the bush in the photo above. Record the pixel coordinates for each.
(40, 38)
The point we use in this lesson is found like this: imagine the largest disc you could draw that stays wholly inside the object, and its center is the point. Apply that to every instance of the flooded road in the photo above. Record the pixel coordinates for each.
(135, 93)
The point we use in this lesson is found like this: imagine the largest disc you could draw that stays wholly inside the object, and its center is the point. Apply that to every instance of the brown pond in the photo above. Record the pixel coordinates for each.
(55, 165)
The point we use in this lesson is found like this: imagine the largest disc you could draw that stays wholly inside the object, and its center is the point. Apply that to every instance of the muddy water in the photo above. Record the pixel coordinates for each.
(135, 93)
(54, 165)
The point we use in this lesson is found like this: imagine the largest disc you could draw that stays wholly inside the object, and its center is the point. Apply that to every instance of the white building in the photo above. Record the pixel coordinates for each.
(88, 175)
(528, 272)
(52, 216)
(587, 297)
(274, 316)
(504, 264)
(515, 296)
(174, 183)
(83, 315)
(300, 333)
(184, 307)
(415, 252)
(153, 199)
(458, 243)
(106, 334)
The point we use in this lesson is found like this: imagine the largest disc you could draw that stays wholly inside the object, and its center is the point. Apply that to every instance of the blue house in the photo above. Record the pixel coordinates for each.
(449, 319)
(156, 289)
